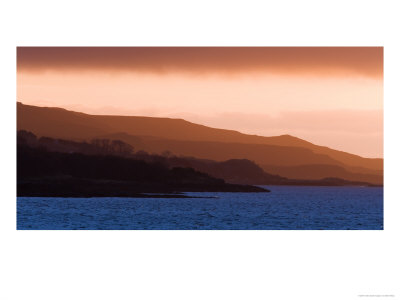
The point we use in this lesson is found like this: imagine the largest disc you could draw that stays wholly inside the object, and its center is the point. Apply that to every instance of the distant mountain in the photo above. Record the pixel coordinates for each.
(46, 159)
(318, 171)
(185, 138)
(243, 171)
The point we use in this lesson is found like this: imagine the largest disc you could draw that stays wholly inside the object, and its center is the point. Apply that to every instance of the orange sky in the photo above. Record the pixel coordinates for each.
(329, 96)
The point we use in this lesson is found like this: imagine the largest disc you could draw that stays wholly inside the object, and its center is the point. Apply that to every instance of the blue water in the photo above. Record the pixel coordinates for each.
(288, 208)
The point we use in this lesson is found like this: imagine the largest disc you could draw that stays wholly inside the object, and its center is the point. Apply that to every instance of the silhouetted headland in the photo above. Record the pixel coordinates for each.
(103, 168)
(56, 174)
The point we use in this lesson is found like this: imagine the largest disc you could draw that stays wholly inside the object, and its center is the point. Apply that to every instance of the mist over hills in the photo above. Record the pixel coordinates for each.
(285, 155)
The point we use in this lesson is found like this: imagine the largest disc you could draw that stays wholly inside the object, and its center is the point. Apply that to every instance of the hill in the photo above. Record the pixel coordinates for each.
(185, 138)
(235, 171)
(44, 173)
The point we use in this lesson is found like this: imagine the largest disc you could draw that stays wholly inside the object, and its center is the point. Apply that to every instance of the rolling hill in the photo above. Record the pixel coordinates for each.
(181, 137)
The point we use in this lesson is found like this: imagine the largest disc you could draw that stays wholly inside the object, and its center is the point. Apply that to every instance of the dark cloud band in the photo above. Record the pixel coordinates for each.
(363, 61)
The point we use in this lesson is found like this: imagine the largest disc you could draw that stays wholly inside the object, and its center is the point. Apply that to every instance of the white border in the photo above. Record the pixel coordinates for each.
(196, 264)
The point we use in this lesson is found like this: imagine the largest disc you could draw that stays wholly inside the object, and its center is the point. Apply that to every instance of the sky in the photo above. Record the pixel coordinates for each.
(331, 96)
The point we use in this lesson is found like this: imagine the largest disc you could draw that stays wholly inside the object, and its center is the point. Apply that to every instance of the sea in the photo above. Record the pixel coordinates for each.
(284, 208)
